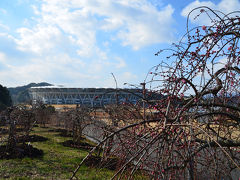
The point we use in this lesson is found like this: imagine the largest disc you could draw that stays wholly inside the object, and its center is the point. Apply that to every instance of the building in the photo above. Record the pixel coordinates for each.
(84, 96)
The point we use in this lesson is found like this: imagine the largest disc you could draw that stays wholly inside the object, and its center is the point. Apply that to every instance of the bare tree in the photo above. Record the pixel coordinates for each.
(194, 133)
(81, 118)
(43, 113)
(74, 121)
(19, 120)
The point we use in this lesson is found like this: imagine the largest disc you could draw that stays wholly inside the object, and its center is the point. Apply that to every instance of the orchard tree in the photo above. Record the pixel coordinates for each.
(20, 121)
(80, 119)
(117, 116)
(195, 133)
(43, 113)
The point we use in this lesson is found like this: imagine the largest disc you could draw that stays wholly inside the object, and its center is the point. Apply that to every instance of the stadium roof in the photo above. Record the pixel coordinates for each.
(63, 87)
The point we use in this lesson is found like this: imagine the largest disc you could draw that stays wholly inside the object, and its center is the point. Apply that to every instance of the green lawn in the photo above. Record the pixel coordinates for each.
(58, 162)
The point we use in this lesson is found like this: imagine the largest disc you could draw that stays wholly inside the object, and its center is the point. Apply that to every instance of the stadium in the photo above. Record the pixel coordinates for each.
(94, 97)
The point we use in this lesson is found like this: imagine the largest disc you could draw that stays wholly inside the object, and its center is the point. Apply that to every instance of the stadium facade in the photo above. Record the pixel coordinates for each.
(84, 96)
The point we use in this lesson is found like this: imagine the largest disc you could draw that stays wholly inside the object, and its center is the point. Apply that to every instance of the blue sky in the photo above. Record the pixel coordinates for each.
(79, 43)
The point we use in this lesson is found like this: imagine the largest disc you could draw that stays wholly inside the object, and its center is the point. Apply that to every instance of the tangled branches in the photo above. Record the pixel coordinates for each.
(192, 131)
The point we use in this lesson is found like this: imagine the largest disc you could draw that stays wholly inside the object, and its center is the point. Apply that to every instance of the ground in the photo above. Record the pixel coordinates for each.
(57, 161)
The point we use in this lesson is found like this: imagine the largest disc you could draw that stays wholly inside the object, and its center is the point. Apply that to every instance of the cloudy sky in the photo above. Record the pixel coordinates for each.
(79, 43)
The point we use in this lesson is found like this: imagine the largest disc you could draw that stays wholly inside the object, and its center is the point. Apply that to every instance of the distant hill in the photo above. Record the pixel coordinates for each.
(20, 94)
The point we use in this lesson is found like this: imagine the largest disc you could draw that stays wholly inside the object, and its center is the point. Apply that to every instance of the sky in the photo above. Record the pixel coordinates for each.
(81, 43)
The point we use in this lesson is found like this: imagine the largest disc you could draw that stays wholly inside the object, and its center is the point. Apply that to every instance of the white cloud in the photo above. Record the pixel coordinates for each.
(4, 27)
(2, 57)
(25, 74)
(136, 23)
(3, 11)
(225, 6)
(120, 78)
(61, 43)
(51, 69)
(120, 63)
(39, 39)
(196, 4)
(35, 10)
(154, 27)
(128, 75)
(228, 6)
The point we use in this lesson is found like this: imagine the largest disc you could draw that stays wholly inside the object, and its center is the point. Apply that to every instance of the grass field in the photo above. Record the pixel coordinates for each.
(58, 162)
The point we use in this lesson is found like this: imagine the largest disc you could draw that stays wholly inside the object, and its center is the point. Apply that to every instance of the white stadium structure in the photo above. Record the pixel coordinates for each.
(84, 96)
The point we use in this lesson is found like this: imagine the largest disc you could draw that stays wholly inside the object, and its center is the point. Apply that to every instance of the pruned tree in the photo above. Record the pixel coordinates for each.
(43, 113)
(117, 116)
(195, 133)
(20, 121)
(80, 118)
(73, 122)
